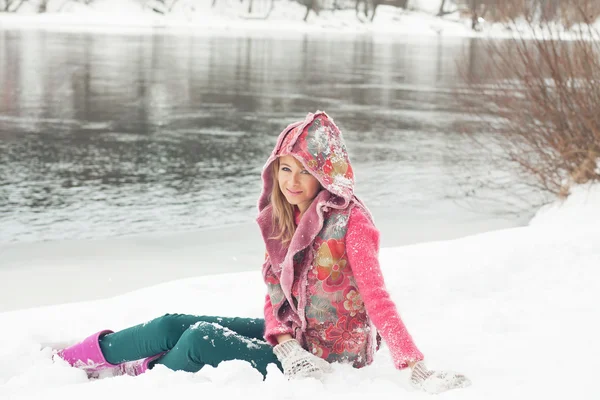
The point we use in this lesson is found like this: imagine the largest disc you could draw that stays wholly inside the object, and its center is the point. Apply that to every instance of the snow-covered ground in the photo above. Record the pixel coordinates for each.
(516, 310)
(126, 263)
(231, 17)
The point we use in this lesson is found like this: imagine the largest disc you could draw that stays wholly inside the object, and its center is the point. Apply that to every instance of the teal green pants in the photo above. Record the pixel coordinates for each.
(191, 341)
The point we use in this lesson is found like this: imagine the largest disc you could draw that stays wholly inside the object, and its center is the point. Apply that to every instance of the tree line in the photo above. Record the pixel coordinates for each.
(566, 12)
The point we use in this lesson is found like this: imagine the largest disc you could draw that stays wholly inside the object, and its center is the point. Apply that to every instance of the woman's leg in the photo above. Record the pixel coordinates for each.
(253, 328)
(147, 339)
(212, 341)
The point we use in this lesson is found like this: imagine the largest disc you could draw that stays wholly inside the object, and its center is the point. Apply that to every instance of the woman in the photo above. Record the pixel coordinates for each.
(327, 300)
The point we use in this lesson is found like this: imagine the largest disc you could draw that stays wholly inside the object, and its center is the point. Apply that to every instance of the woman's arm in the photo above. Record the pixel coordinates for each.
(362, 250)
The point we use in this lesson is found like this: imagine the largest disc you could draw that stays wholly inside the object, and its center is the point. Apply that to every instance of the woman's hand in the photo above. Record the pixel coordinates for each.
(299, 363)
(435, 382)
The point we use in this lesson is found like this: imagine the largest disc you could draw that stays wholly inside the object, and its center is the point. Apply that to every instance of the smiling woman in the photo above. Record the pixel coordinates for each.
(326, 299)
(296, 183)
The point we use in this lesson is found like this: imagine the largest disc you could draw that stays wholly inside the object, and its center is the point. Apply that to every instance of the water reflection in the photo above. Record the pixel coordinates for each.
(109, 134)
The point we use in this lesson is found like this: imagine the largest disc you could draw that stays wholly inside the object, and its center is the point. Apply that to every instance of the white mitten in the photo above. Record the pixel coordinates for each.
(435, 382)
(299, 363)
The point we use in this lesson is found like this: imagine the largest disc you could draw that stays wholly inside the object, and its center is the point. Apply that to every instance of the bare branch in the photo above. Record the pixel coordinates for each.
(544, 95)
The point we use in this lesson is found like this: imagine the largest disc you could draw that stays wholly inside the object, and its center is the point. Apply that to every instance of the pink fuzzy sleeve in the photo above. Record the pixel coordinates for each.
(362, 248)
(273, 327)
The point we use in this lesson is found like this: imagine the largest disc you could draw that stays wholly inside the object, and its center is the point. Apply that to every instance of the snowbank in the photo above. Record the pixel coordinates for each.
(515, 310)
(581, 208)
(231, 17)
(126, 263)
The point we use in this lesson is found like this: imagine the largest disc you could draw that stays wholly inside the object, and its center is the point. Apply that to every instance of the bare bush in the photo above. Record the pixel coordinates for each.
(575, 12)
(166, 6)
(11, 5)
(542, 98)
(568, 12)
(511, 10)
(395, 3)
(476, 10)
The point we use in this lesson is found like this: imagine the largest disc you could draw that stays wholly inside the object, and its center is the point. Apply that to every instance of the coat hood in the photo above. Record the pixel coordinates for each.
(317, 143)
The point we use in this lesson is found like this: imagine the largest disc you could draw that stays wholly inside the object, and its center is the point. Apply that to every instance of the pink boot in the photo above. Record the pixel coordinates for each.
(87, 355)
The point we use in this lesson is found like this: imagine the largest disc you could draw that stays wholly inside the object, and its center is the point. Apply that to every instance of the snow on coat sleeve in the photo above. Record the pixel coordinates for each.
(362, 249)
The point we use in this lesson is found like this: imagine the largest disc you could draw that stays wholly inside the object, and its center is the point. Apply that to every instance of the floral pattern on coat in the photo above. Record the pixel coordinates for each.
(338, 327)
(331, 265)
(274, 290)
(326, 156)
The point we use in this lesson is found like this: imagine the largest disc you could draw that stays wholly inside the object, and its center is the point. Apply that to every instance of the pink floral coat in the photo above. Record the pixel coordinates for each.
(326, 288)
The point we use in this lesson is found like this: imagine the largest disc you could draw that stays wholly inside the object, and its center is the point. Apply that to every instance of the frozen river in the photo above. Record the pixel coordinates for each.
(108, 135)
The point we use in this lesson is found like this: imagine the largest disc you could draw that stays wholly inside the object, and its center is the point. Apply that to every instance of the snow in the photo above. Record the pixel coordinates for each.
(230, 17)
(513, 309)
(579, 209)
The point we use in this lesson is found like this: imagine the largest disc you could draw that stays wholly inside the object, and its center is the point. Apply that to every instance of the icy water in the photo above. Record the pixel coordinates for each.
(104, 135)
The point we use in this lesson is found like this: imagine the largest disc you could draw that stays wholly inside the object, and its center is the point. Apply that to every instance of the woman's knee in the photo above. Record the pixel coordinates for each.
(170, 327)
(210, 343)
(200, 337)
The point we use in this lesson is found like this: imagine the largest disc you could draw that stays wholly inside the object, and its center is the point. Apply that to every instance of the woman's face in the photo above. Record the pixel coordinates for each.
(297, 184)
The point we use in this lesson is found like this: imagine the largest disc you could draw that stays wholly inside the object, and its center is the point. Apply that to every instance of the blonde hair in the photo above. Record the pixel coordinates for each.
(282, 214)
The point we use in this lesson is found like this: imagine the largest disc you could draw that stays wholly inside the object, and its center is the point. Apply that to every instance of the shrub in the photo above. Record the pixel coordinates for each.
(541, 93)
